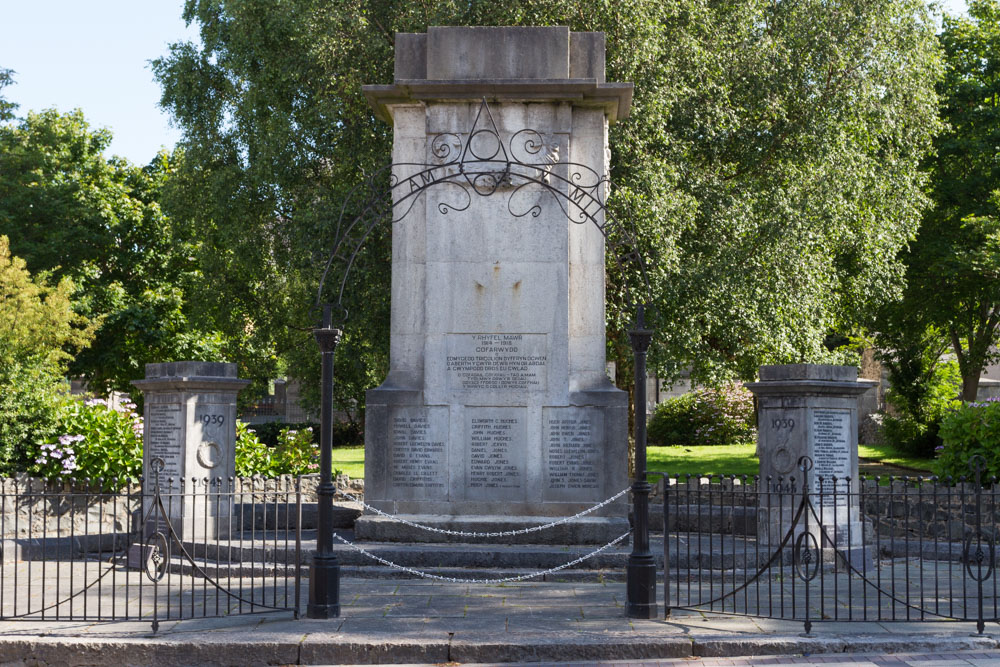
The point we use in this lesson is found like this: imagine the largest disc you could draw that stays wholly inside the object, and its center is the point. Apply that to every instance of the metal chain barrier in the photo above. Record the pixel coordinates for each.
(503, 533)
(503, 580)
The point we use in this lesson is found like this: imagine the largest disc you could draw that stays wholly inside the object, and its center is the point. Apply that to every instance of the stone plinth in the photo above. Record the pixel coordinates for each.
(190, 425)
(496, 408)
(809, 410)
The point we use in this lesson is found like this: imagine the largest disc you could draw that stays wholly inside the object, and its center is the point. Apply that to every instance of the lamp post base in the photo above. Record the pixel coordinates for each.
(324, 587)
(640, 587)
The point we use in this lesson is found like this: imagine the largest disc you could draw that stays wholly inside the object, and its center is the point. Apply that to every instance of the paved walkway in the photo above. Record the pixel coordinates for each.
(415, 621)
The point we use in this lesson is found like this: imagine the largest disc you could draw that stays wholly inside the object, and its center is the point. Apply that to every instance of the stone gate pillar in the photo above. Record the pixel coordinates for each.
(190, 424)
(809, 410)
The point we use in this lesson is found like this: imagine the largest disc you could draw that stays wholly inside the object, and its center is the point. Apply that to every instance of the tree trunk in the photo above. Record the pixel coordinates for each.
(970, 384)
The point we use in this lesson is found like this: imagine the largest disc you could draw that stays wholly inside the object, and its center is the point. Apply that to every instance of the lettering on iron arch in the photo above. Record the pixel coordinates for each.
(427, 178)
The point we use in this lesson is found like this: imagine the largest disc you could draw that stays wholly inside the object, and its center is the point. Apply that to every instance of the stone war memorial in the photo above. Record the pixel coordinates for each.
(497, 412)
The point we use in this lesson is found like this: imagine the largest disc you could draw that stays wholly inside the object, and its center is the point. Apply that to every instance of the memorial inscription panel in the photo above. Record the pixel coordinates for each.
(418, 465)
(496, 456)
(497, 361)
(163, 440)
(572, 439)
(831, 453)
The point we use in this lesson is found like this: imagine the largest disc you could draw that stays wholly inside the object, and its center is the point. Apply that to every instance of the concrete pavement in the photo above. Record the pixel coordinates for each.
(416, 621)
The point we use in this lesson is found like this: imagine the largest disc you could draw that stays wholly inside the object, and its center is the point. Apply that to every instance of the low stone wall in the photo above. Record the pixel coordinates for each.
(898, 510)
(38, 508)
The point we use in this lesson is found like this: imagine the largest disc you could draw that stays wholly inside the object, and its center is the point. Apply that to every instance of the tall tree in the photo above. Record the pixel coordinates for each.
(71, 213)
(954, 264)
(770, 164)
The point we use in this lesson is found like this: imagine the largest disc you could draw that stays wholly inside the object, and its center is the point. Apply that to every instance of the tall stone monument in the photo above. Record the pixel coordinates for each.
(190, 426)
(810, 410)
(497, 413)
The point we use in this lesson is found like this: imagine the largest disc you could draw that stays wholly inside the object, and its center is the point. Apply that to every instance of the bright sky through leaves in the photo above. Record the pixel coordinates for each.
(94, 55)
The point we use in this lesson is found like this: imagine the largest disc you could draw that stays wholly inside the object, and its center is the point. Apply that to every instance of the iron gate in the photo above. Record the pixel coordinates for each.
(182, 549)
(809, 548)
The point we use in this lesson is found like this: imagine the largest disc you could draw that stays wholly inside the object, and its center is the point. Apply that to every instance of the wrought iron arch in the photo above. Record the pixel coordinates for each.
(524, 167)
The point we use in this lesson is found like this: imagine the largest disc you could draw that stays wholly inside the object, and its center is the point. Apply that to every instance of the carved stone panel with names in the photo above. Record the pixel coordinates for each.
(572, 444)
(165, 441)
(496, 456)
(418, 457)
(831, 453)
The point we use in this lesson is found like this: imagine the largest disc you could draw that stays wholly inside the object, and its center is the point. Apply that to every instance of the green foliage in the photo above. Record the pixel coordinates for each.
(769, 165)
(295, 453)
(953, 265)
(38, 334)
(95, 442)
(73, 214)
(971, 430)
(345, 434)
(30, 396)
(922, 393)
(6, 107)
(253, 457)
(705, 416)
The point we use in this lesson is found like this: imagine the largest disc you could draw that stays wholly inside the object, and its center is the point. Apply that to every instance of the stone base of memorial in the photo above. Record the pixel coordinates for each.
(810, 410)
(495, 468)
(190, 426)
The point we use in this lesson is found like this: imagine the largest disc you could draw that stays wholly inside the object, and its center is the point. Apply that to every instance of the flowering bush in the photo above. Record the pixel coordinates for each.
(294, 454)
(97, 441)
(967, 431)
(706, 416)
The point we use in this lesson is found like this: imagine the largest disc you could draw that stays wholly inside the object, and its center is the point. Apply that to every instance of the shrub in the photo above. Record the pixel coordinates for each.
(345, 434)
(95, 441)
(973, 429)
(915, 431)
(30, 397)
(705, 416)
(295, 452)
(253, 457)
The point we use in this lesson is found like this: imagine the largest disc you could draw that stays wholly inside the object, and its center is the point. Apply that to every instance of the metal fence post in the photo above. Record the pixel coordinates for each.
(324, 570)
(640, 572)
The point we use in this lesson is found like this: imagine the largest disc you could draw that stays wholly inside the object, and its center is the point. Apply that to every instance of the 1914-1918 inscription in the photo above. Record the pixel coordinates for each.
(572, 438)
(163, 439)
(497, 361)
(497, 453)
(831, 453)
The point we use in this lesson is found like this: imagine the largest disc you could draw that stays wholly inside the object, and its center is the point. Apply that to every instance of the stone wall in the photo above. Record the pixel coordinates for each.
(898, 510)
(37, 508)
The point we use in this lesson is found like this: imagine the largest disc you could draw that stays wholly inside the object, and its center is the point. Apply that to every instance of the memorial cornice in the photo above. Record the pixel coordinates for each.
(193, 383)
(809, 387)
(615, 98)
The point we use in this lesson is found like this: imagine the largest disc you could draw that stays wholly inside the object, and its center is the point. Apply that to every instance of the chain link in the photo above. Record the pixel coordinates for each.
(502, 533)
(503, 580)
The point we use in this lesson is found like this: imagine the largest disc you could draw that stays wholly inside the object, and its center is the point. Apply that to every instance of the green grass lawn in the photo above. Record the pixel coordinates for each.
(892, 456)
(705, 460)
(678, 459)
(350, 461)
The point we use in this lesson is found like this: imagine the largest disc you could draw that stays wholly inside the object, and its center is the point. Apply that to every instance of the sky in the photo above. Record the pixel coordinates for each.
(94, 55)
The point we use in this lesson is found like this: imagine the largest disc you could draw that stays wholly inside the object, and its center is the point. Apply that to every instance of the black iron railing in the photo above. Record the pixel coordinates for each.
(180, 549)
(810, 548)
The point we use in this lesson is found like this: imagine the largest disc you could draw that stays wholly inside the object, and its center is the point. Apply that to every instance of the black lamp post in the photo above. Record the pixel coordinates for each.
(640, 572)
(324, 571)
